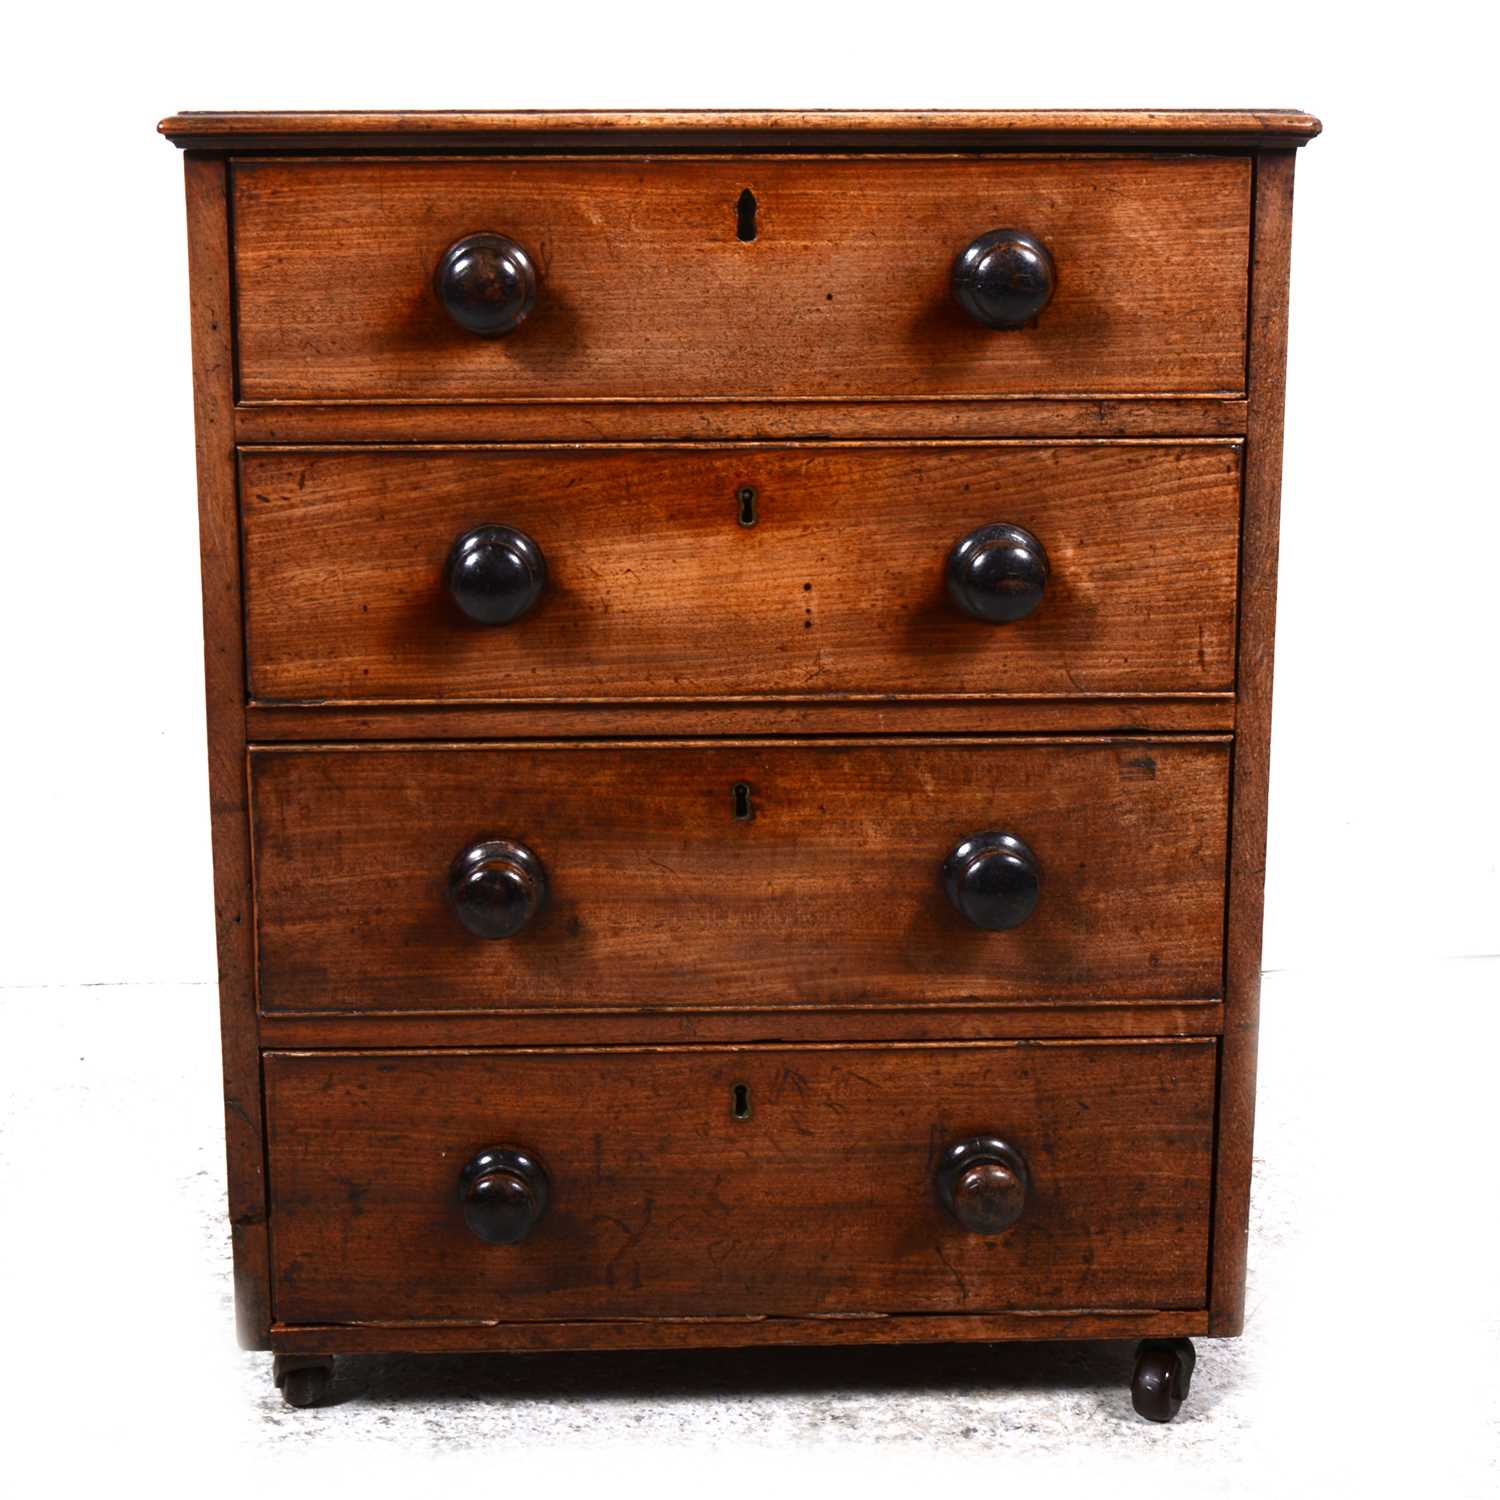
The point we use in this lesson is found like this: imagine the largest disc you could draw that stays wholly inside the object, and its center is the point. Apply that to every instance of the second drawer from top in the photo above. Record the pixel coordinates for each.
(555, 574)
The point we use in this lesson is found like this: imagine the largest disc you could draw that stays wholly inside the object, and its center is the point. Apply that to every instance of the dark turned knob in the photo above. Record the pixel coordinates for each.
(998, 573)
(494, 574)
(994, 880)
(983, 1183)
(486, 283)
(503, 1192)
(497, 886)
(1005, 278)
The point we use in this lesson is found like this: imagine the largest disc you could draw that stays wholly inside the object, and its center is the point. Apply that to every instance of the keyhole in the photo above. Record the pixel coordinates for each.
(745, 211)
(749, 503)
(740, 1108)
(743, 811)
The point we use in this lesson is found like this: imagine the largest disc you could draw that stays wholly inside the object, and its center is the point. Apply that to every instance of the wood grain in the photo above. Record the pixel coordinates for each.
(845, 292)
(224, 691)
(706, 421)
(581, 1024)
(656, 589)
(1252, 745)
(1179, 129)
(494, 1336)
(830, 894)
(662, 1204)
(734, 719)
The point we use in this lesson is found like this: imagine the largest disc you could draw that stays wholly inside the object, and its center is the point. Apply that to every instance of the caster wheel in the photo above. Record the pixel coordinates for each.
(1163, 1373)
(302, 1379)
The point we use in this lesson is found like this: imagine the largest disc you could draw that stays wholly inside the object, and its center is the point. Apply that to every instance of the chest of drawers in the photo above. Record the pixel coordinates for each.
(738, 671)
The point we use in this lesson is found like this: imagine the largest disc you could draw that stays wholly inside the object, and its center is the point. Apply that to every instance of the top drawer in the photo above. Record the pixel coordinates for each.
(662, 279)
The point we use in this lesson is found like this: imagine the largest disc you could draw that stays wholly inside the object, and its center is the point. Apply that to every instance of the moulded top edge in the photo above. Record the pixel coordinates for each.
(762, 129)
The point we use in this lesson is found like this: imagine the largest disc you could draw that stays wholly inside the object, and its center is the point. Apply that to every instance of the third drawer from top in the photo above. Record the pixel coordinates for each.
(758, 874)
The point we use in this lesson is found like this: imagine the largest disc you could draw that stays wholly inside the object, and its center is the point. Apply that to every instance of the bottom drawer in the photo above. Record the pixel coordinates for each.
(731, 1181)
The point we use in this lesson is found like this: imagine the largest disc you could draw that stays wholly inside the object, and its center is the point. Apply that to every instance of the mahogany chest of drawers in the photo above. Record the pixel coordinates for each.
(739, 664)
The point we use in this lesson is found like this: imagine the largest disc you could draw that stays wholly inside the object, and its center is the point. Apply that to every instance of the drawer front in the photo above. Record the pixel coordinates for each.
(647, 290)
(734, 572)
(706, 876)
(661, 1201)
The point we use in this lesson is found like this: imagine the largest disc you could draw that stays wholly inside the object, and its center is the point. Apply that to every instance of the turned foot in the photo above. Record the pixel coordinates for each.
(302, 1379)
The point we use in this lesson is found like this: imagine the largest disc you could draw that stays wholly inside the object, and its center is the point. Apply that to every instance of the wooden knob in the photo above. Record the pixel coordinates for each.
(993, 879)
(983, 1182)
(494, 574)
(486, 283)
(1004, 278)
(503, 1192)
(998, 573)
(496, 887)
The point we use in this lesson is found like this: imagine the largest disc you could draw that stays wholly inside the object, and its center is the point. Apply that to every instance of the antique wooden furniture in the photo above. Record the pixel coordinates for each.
(739, 667)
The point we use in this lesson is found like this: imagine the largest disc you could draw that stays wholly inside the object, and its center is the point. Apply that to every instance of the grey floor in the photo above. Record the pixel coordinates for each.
(1371, 1351)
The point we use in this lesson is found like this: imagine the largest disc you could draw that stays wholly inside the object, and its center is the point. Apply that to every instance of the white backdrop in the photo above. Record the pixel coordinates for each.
(1385, 812)
(1385, 806)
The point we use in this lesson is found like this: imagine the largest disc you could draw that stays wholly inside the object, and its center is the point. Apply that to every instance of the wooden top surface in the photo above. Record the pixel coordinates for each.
(762, 129)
